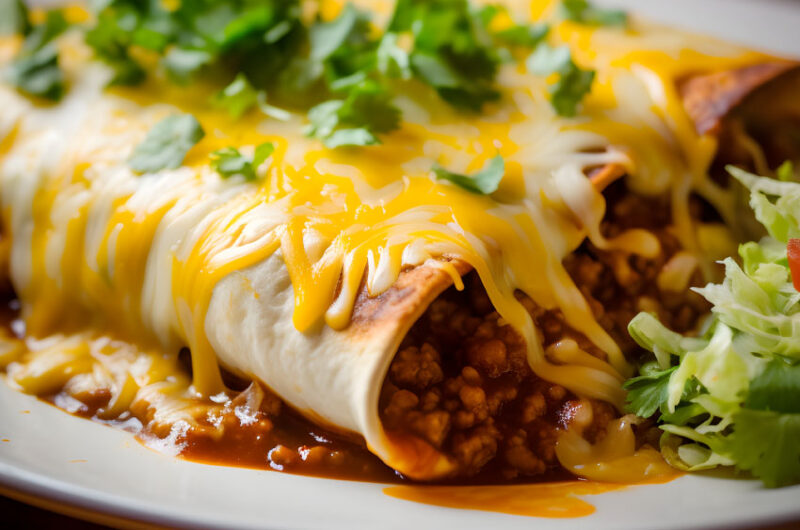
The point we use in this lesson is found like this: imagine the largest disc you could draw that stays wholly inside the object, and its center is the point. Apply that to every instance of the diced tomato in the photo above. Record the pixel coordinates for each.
(793, 253)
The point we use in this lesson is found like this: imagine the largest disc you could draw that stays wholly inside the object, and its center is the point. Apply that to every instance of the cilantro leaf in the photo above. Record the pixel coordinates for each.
(238, 97)
(766, 443)
(393, 61)
(570, 90)
(647, 393)
(452, 50)
(354, 136)
(38, 74)
(229, 161)
(183, 63)
(523, 34)
(547, 60)
(54, 25)
(326, 38)
(573, 83)
(167, 143)
(14, 18)
(356, 120)
(109, 39)
(262, 152)
(451, 85)
(35, 70)
(484, 182)
(585, 13)
(257, 39)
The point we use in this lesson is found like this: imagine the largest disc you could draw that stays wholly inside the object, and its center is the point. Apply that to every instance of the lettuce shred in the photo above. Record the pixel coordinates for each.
(732, 395)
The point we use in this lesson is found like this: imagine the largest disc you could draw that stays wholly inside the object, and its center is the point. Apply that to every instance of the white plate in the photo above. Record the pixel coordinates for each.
(72, 465)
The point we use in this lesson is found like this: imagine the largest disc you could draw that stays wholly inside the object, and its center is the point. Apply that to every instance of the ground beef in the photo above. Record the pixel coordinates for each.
(461, 380)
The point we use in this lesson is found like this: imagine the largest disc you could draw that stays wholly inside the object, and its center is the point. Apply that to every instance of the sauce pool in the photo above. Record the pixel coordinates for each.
(553, 500)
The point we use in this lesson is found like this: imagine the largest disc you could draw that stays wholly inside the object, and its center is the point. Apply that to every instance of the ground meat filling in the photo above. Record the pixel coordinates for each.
(461, 380)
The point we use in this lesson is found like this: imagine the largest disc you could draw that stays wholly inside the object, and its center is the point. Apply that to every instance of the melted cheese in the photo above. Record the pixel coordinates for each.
(98, 247)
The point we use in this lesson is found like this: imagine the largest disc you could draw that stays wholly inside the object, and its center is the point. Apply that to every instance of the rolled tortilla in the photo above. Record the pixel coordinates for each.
(332, 377)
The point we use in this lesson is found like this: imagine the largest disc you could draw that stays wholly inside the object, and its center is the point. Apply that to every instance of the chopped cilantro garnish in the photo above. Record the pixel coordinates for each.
(344, 69)
(356, 120)
(573, 82)
(256, 38)
(35, 70)
(238, 97)
(393, 60)
(229, 161)
(183, 63)
(38, 73)
(42, 34)
(584, 12)
(167, 143)
(451, 50)
(13, 17)
(484, 182)
(523, 35)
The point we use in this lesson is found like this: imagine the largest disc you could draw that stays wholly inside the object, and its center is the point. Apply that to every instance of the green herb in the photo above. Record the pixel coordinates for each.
(343, 70)
(14, 18)
(356, 120)
(523, 35)
(584, 12)
(42, 34)
(167, 143)
(229, 161)
(647, 393)
(254, 38)
(38, 74)
(238, 97)
(182, 64)
(393, 61)
(452, 50)
(573, 82)
(484, 182)
(35, 70)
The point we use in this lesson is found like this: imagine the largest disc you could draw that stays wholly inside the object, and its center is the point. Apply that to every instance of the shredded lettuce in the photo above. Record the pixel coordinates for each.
(731, 396)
